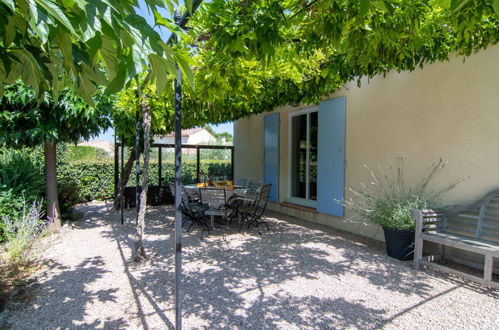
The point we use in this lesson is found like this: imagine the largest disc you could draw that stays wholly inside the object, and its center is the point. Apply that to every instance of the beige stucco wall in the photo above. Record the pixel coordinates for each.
(446, 110)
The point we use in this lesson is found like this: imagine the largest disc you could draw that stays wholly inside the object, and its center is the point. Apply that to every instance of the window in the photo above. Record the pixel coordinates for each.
(303, 157)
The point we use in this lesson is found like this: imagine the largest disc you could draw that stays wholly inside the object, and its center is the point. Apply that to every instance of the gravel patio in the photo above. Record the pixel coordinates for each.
(296, 276)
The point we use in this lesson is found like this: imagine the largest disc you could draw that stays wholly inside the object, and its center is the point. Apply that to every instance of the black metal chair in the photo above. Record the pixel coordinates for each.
(252, 214)
(192, 210)
(253, 192)
(254, 186)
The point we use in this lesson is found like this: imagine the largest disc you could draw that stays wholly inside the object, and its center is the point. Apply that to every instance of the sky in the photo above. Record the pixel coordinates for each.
(225, 127)
(142, 10)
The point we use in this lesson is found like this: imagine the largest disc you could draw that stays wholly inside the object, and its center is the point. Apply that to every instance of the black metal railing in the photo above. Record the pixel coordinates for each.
(119, 151)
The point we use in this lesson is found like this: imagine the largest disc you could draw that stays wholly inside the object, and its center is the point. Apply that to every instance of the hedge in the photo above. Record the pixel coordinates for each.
(95, 180)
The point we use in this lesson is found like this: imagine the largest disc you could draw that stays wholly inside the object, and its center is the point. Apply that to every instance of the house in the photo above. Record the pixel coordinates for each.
(312, 154)
(192, 136)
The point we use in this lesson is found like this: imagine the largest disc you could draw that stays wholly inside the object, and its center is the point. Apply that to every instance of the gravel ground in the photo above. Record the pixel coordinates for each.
(296, 276)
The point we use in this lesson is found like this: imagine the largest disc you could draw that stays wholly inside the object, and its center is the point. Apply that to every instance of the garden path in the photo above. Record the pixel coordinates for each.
(296, 276)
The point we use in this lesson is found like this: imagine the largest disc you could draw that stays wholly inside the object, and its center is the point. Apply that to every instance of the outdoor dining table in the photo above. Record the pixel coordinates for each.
(236, 192)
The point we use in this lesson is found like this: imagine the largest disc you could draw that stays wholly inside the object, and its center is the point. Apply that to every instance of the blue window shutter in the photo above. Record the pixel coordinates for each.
(331, 157)
(271, 155)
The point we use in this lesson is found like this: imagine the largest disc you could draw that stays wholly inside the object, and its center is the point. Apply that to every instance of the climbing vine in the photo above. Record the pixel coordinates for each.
(251, 56)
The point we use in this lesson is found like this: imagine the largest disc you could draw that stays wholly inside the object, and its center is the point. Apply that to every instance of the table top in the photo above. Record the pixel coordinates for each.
(194, 186)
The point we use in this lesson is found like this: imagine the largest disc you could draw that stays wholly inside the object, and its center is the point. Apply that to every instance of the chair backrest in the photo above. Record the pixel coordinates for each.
(241, 182)
(188, 194)
(213, 196)
(261, 202)
(254, 186)
(171, 185)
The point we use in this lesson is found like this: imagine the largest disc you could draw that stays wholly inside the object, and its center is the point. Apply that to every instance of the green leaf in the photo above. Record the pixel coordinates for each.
(10, 31)
(182, 60)
(188, 5)
(109, 54)
(33, 70)
(456, 5)
(10, 4)
(444, 3)
(364, 7)
(495, 6)
(57, 13)
(117, 83)
(160, 20)
(160, 73)
(380, 5)
(66, 47)
(86, 88)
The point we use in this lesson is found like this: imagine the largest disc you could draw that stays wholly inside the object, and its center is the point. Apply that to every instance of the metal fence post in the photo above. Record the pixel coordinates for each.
(198, 164)
(116, 166)
(232, 162)
(137, 164)
(160, 160)
(178, 199)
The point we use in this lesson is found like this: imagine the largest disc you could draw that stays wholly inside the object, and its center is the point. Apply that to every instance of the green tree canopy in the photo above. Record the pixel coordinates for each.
(81, 44)
(26, 121)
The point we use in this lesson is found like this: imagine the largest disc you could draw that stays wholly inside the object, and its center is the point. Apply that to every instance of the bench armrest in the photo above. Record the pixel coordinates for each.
(417, 215)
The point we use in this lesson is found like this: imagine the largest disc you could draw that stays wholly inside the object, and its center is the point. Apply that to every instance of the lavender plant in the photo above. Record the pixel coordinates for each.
(23, 231)
(387, 200)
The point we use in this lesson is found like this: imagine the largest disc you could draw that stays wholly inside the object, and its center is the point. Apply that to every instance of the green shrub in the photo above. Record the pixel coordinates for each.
(22, 171)
(21, 179)
(95, 180)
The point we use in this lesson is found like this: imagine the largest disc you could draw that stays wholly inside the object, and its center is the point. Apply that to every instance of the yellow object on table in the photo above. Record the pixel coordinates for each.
(200, 185)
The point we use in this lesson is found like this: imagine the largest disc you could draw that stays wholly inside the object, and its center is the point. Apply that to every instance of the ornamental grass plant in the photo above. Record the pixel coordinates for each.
(387, 200)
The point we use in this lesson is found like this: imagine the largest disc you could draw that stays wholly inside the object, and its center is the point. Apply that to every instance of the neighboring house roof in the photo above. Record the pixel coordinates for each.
(108, 147)
(185, 132)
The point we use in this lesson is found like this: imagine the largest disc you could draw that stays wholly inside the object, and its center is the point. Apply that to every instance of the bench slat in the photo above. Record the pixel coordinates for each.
(457, 221)
(462, 242)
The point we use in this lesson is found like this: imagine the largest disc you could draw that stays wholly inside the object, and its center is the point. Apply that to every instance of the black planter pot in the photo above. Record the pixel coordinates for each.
(399, 243)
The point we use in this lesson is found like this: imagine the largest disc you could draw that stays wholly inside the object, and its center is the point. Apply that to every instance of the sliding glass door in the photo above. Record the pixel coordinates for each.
(303, 157)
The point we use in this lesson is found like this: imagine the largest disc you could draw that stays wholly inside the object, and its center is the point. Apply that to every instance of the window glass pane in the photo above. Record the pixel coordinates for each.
(313, 155)
(298, 155)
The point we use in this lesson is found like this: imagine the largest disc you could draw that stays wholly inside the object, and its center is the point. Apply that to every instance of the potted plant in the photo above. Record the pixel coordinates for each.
(387, 201)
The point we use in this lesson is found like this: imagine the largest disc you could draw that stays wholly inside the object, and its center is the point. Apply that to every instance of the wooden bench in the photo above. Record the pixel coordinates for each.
(473, 228)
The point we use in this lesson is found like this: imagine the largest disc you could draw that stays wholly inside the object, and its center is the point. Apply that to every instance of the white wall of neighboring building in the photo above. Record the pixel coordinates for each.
(169, 140)
(201, 137)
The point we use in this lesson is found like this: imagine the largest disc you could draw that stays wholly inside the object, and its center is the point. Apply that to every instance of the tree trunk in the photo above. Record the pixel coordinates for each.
(53, 212)
(121, 187)
(138, 248)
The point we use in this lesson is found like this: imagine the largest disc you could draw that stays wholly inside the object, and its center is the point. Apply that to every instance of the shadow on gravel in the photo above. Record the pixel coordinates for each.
(226, 277)
(71, 285)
